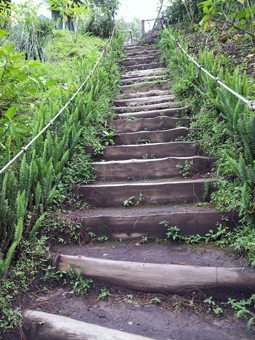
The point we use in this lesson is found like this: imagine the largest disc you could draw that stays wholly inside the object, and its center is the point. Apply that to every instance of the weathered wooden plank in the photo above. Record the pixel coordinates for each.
(40, 325)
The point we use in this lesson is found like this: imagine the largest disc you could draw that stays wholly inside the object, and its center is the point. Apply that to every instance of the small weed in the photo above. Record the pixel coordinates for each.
(242, 308)
(144, 239)
(149, 156)
(177, 303)
(129, 298)
(185, 169)
(107, 138)
(129, 202)
(221, 235)
(213, 307)
(143, 141)
(155, 301)
(78, 282)
(102, 239)
(104, 294)
(132, 201)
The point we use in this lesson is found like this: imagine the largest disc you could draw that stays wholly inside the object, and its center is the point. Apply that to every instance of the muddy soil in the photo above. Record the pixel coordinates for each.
(165, 252)
(135, 313)
(159, 316)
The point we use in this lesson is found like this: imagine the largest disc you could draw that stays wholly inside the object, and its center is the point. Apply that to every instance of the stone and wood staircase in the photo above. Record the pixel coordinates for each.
(153, 173)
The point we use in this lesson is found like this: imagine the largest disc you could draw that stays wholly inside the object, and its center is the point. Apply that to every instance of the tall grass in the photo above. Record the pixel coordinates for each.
(226, 125)
(29, 187)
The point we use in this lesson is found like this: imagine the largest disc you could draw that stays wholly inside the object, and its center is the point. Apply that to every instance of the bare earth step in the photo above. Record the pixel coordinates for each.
(144, 73)
(144, 192)
(150, 124)
(145, 137)
(145, 100)
(149, 107)
(57, 327)
(137, 80)
(150, 168)
(133, 223)
(144, 86)
(152, 150)
(145, 66)
(154, 277)
(151, 93)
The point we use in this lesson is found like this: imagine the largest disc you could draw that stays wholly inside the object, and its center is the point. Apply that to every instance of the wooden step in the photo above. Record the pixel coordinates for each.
(154, 192)
(152, 150)
(150, 124)
(143, 73)
(152, 93)
(146, 137)
(145, 100)
(141, 52)
(170, 112)
(145, 66)
(135, 169)
(153, 110)
(41, 325)
(144, 86)
(157, 277)
(133, 223)
(143, 79)
(140, 60)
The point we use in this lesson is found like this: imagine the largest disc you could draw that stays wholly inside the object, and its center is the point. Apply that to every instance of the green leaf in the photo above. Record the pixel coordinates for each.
(10, 113)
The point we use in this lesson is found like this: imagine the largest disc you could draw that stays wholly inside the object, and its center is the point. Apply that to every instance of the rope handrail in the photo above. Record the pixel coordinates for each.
(249, 103)
(46, 127)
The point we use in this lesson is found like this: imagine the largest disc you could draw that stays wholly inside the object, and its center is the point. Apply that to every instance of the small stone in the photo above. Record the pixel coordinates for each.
(130, 323)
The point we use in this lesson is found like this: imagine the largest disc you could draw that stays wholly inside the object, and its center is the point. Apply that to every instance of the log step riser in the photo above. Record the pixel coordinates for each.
(145, 66)
(149, 107)
(150, 277)
(144, 86)
(144, 94)
(150, 136)
(140, 60)
(129, 226)
(143, 79)
(146, 194)
(150, 124)
(150, 151)
(150, 169)
(144, 101)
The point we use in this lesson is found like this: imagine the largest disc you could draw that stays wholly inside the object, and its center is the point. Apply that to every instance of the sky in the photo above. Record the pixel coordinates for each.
(142, 9)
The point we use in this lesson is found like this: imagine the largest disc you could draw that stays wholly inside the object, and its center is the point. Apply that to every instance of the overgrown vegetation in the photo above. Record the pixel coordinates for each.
(32, 93)
(226, 126)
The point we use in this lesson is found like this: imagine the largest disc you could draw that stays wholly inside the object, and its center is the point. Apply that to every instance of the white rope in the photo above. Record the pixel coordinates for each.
(249, 103)
(27, 146)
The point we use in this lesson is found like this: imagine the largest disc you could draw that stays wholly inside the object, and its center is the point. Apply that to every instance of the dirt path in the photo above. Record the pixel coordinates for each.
(153, 173)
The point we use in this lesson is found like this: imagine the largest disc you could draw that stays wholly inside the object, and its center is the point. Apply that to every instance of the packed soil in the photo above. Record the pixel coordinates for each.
(159, 316)
(163, 252)
(176, 317)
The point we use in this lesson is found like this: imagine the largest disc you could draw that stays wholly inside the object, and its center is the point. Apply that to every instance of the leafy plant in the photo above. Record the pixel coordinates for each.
(185, 168)
(104, 294)
(78, 282)
(242, 309)
(155, 301)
